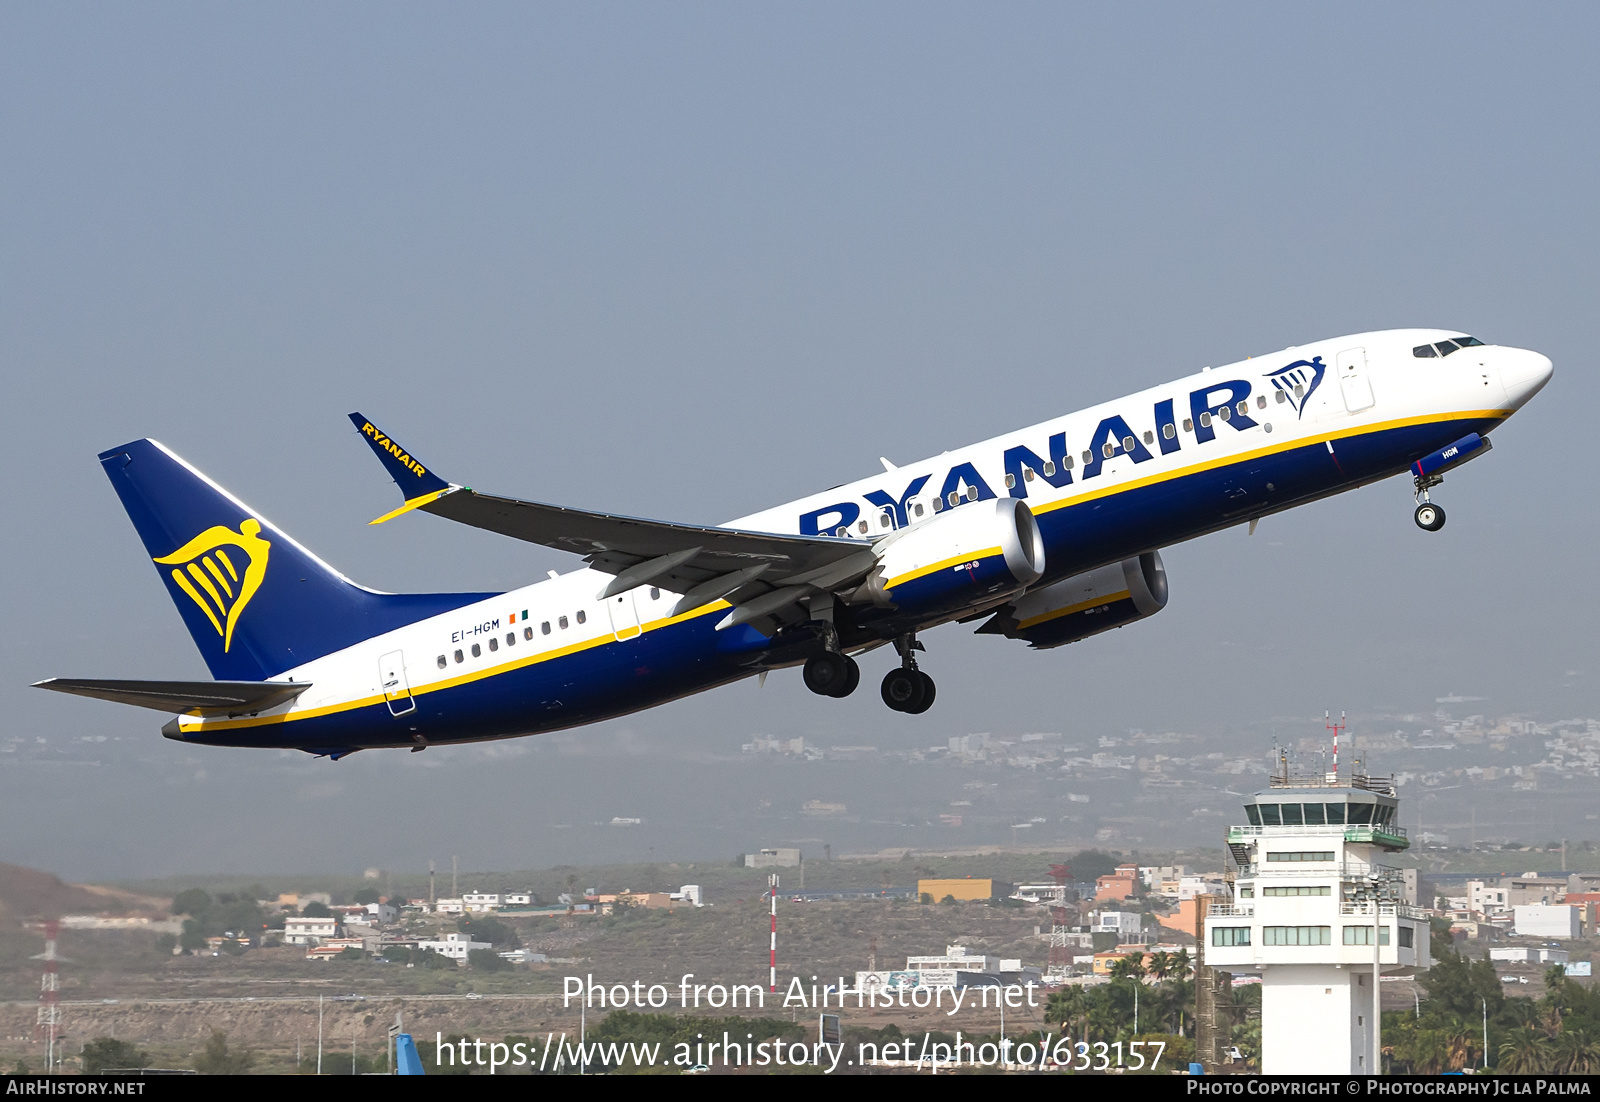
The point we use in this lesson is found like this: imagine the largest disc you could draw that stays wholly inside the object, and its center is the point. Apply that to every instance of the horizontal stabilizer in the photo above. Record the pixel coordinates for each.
(205, 698)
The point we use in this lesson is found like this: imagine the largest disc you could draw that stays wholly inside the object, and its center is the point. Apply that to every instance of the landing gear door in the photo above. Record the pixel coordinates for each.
(1354, 382)
(392, 679)
(624, 615)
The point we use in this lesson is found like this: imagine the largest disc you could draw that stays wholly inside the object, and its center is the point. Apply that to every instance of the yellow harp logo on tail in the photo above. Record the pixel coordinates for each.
(205, 570)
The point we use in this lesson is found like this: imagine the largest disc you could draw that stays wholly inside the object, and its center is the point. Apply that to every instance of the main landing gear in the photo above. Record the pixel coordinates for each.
(832, 674)
(908, 689)
(1429, 517)
(905, 689)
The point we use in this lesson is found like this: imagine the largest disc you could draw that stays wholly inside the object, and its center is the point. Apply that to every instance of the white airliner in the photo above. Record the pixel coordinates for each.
(1046, 535)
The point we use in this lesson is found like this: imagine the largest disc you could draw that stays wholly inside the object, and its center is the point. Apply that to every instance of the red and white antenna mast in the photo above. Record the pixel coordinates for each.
(1327, 721)
(772, 884)
(49, 1021)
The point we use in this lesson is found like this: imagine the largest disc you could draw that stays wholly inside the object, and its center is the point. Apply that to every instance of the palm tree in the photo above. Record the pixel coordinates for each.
(1159, 966)
(1181, 965)
(1130, 967)
(1525, 1051)
(1577, 1053)
(1461, 1044)
(1065, 1006)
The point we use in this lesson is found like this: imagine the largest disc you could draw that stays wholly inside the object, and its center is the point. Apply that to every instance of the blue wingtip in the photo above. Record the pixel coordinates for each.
(412, 477)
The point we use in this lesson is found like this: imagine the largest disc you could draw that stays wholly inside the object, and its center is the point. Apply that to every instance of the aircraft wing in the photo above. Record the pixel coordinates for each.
(760, 573)
(206, 698)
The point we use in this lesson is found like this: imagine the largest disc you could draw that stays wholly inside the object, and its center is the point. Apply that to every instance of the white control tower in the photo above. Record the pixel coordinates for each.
(1318, 916)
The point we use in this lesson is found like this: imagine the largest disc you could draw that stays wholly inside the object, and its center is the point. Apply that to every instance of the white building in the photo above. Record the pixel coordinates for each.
(1317, 916)
(1527, 954)
(480, 902)
(689, 893)
(1539, 920)
(518, 899)
(300, 930)
(450, 907)
(1487, 897)
(955, 959)
(454, 946)
(1124, 924)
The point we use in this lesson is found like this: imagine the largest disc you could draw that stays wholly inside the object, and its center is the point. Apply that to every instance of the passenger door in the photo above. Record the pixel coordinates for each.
(624, 615)
(392, 677)
(1353, 381)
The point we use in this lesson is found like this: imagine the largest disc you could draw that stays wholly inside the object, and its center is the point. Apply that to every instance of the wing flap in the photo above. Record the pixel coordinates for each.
(204, 698)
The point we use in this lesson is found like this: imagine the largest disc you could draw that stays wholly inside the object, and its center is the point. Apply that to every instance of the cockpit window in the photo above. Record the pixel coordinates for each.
(1444, 348)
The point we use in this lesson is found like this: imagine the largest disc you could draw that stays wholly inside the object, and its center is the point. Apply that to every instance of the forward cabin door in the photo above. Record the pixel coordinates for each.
(392, 677)
(1353, 381)
(624, 616)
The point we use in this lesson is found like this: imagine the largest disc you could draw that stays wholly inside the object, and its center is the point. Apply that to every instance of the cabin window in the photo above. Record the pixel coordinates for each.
(1205, 421)
(1424, 352)
(938, 503)
(972, 493)
(442, 662)
(863, 527)
(494, 644)
(1011, 481)
(477, 651)
(511, 638)
(1027, 474)
(1281, 397)
(1066, 462)
(583, 617)
(842, 532)
(1149, 437)
(1108, 449)
(1225, 413)
(545, 627)
(1129, 443)
(1049, 468)
(527, 633)
(561, 621)
(1188, 425)
(917, 508)
(1299, 390)
(1168, 432)
(1243, 407)
(1261, 401)
(458, 656)
(655, 594)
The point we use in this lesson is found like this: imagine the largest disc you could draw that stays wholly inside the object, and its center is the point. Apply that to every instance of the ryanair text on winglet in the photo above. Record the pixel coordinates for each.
(393, 449)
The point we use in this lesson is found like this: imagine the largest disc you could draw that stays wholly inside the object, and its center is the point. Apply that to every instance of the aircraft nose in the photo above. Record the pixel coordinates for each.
(1524, 373)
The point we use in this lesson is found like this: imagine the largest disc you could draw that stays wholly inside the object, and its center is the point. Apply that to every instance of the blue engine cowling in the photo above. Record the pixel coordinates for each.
(1085, 604)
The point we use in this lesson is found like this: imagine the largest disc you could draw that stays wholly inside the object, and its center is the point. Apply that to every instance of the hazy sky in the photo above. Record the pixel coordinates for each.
(689, 261)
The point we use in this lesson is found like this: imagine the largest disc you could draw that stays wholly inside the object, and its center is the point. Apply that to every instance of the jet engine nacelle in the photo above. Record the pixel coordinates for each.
(1085, 604)
(965, 557)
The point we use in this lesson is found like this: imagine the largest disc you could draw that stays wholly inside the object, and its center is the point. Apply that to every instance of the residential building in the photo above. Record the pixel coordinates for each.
(303, 930)
(1533, 888)
(690, 894)
(1124, 924)
(456, 946)
(1121, 884)
(518, 899)
(956, 958)
(1487, 897)
(450, 907)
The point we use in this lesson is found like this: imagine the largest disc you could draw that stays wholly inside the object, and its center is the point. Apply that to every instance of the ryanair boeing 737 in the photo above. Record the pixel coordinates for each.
(1047, 535)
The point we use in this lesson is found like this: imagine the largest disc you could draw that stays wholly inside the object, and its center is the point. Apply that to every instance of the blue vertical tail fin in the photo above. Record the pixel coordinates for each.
(256, 602)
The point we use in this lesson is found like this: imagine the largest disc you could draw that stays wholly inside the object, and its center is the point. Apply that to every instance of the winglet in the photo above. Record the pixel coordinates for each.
(416, 482)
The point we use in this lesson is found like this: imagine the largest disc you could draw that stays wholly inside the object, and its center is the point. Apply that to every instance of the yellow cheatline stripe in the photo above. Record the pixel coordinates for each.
(196, 724)
(194, 595)
(217, 574)
(1070, 609)
(933, 568)
(200, 576)
(1258, 453)
(227, 562)
(413, 503)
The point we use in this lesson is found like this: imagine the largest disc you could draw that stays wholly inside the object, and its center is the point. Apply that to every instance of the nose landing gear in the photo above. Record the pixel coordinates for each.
(1429, 517)
(907, 689)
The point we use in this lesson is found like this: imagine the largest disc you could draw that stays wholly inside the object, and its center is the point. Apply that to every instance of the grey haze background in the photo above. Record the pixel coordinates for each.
(689, 261)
